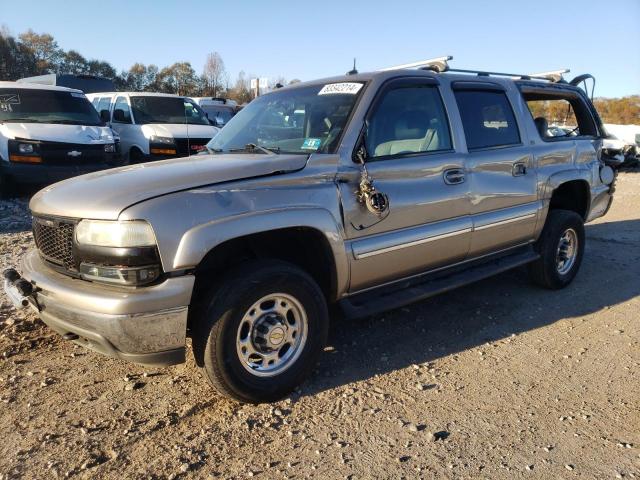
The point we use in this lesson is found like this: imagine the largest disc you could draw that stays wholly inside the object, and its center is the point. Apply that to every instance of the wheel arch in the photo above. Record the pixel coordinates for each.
(570, 190)
(317, 247)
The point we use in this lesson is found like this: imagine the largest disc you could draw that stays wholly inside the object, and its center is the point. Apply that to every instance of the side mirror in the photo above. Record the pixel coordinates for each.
(104, 116)
(218, 122)
(118, 115)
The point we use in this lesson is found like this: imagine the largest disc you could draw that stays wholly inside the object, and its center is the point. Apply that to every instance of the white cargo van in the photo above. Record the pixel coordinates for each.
(155, 126)
(49, 133)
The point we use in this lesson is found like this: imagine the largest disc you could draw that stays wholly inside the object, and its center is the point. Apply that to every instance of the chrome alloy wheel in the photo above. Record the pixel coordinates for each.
(567, 251)
(272, 335)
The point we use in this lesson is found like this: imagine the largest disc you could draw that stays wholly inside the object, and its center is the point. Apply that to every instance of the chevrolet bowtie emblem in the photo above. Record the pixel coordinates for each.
(74, 153)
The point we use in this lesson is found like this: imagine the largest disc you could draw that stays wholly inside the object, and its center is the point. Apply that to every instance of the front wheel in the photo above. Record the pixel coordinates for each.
(561, 247)
(260, 331)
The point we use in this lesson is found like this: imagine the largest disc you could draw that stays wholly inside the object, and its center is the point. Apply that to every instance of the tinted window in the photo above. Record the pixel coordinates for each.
(160, 109)
(122, 105)
(487, 119)
(408, 119)
(46, 106)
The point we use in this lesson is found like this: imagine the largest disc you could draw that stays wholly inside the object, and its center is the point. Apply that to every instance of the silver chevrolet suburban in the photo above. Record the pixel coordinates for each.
(364, 191)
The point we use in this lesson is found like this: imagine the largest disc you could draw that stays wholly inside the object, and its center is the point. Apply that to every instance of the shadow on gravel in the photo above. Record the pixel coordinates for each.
(487, 311)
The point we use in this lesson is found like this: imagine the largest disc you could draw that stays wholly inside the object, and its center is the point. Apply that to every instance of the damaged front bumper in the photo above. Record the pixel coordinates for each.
(143, 325)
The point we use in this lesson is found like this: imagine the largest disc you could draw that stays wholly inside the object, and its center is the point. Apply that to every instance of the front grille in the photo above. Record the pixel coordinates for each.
(60, 153)
(54, 239)
(187, 146)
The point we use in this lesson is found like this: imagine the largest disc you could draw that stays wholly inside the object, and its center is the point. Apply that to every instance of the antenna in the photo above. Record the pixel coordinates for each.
(354, 71)
(438, 64)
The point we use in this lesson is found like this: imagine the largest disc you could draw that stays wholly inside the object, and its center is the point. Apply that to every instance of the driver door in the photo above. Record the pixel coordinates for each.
(410, 159)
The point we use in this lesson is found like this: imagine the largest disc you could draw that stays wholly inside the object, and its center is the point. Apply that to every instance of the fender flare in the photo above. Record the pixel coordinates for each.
(200, 240)
(564, 176)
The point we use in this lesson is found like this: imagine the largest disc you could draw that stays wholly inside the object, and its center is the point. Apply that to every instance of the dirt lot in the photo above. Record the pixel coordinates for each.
(496, 380)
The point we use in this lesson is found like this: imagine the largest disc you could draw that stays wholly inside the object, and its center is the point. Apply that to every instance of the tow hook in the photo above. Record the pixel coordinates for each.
(17, 288)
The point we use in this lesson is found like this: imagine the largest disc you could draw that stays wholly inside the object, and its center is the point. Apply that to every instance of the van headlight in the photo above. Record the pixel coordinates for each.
(161, 140)
(123, 234)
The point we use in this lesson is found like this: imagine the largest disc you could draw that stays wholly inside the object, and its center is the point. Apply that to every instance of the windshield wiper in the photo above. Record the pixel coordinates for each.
(26, 120)
(252, 147)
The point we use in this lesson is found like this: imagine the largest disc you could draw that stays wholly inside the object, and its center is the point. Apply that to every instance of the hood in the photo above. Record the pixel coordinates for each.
(180, 130)
(103, 195)
(57, 133)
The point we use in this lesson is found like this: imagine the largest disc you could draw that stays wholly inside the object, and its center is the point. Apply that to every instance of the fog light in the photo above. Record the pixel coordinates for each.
(25, 147)
(120, 275)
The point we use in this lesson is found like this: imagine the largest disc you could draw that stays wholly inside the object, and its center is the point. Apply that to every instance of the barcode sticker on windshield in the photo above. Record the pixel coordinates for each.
(340, 88)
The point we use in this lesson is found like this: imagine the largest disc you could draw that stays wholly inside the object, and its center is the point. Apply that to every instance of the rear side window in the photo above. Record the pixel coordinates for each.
(487, 118)
(559, 115)
(408, 119)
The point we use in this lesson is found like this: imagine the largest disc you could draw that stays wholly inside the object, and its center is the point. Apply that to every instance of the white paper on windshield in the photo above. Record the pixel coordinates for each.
(349, 88)
(7, 100)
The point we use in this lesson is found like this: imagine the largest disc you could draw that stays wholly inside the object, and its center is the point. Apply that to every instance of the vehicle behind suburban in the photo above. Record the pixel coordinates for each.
(363, 192)
(154, 126)
(48, 134)
(83, 82)
(219, 110)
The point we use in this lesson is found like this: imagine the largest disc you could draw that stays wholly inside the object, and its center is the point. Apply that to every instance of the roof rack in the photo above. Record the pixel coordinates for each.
(440, 65)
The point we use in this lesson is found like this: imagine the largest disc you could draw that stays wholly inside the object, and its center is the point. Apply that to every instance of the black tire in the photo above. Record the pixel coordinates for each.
(135, 156)
(545, 271)
(220, 317)
(7, 190)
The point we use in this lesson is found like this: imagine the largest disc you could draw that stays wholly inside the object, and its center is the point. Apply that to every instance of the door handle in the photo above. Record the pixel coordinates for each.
(519, 169)
(455, 176)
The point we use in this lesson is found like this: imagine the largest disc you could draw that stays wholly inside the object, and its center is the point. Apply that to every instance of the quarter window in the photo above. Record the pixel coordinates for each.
(487, 118)
(409, 119)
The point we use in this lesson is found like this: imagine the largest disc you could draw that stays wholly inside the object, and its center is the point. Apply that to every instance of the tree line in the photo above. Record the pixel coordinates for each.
(33, 53)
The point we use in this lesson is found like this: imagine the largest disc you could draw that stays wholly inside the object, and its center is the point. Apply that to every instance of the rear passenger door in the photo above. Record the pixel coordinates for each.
(411, 159)
(502, 175)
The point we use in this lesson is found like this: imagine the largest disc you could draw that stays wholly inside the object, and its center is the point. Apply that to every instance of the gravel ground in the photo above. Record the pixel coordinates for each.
(495, 380)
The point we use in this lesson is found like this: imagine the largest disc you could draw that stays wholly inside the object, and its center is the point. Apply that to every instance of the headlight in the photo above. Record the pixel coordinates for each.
(25, 148)
(115, 234)
(163, 140)
(109, 148)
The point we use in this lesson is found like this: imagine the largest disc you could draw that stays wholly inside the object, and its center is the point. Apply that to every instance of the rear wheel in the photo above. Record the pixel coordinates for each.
(261, 330)
(561, 247)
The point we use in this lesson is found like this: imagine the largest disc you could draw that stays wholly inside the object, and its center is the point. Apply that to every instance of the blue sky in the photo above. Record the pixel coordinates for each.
(308, 40)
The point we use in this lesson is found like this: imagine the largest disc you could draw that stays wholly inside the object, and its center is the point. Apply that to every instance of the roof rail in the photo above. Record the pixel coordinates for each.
(438, 64)
(554, 76)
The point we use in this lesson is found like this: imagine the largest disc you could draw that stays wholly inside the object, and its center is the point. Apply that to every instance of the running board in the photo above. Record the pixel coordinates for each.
(391, 297)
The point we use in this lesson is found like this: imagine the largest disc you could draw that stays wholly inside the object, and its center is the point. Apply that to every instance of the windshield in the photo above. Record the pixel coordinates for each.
(149, 109)
(26, 105)
(298, 120)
